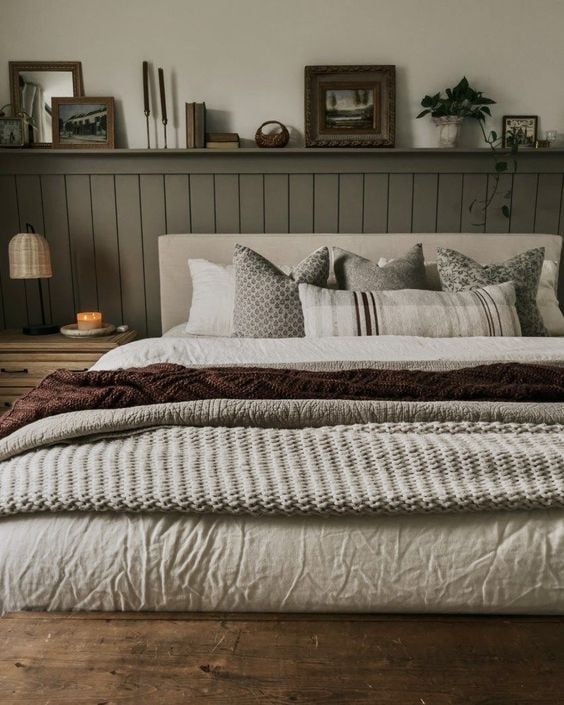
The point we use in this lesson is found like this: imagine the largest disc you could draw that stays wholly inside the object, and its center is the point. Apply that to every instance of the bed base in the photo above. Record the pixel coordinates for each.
(239, 659)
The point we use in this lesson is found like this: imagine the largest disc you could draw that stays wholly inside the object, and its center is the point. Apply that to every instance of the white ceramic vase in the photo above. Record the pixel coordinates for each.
(449, 130)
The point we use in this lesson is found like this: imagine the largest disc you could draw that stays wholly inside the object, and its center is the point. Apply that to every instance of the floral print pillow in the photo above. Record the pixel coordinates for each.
(459, 272)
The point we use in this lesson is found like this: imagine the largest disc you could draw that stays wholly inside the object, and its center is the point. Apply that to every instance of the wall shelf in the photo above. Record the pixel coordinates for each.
(288, 151)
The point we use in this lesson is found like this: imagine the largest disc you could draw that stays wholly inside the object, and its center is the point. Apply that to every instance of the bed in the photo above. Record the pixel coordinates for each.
(499, 558)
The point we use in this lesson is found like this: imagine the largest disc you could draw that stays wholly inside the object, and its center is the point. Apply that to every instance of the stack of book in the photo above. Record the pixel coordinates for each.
(195, 125)
(222, 140)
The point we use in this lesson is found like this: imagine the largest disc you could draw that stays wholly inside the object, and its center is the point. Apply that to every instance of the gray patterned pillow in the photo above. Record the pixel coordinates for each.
(357, 273)
(459, 272)
(267, 301)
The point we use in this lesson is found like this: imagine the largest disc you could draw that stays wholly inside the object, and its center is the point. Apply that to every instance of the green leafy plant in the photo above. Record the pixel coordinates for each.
(461, 101)
(466, 102)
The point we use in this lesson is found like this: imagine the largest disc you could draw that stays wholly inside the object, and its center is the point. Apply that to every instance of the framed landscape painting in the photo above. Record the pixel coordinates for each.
(83, 123)
(349, 106)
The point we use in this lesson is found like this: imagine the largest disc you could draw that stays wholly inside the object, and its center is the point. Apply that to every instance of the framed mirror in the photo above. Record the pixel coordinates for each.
(34, 83)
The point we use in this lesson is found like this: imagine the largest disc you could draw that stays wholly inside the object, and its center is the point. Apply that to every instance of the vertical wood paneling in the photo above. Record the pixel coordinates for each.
(523, 203)
(326, 203)
(449, 203)
(424, 213)
(128, 210)
(301, 203)
(548, 203)
(153, 223)
(351, 203)
(103, 229)
(251, 203)
(30, 209)
(496, 222)
(227, 203)
(107, 251)
(376, 203)
(83, 255)
(474, 190)
(13, 306)
(202, 202)
(276, 203)
(400, 201)
(177, 194)
(63, 303)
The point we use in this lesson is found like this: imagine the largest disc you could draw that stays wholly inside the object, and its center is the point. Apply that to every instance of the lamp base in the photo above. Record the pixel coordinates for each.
(40, 329)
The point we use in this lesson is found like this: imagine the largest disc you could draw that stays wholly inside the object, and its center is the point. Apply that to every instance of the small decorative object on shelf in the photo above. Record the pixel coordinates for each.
(195, 125)
(146, 102)
(89, 320)
(350, 106)
(164, 116)
(448, 112)
(222, 140)
(14, 131)
(30, 258)
(519, 130)
(83, 123)
(73, 330)
(272, 139)
(551, 136)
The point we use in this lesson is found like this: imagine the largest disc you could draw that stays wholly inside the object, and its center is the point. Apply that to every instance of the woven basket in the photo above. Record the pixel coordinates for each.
(273, 139)
(29, 257)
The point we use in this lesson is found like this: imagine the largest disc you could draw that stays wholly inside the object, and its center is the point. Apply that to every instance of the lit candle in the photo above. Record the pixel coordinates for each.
(90, 320)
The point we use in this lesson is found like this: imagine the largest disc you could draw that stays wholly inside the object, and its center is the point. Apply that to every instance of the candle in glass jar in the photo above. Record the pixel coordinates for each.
(90, 320)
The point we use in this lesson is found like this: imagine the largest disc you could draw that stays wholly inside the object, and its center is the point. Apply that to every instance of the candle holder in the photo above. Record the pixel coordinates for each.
(89, 320)
(163, 104)
(146, 105)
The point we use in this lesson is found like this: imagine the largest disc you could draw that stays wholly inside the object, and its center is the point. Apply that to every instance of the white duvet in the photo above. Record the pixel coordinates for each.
(510, 562)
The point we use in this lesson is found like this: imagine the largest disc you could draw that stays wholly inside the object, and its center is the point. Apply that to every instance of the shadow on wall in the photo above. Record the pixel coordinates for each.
(120, 125)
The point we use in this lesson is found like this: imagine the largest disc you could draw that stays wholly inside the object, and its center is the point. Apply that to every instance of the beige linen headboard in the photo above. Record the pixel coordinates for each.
(175, 250)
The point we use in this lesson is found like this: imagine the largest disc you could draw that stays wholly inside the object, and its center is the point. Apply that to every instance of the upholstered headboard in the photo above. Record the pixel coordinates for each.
(175, 250)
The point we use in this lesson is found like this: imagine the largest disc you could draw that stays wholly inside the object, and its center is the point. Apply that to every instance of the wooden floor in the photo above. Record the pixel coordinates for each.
(174, 659)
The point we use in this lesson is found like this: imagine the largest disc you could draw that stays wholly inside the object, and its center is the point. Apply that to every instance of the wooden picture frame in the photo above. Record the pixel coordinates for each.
(350, 106)
(89, 128)
(16, 68)
(528, 123)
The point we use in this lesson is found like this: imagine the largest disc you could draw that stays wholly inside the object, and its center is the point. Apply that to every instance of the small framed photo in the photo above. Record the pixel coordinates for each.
(83, 123)
(350, 106)
(520, 130)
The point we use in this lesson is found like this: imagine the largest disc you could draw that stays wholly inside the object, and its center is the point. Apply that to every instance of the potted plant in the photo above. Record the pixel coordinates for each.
(448, 112)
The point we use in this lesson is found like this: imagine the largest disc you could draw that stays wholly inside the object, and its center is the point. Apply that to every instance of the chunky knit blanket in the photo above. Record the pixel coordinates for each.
(289, 456)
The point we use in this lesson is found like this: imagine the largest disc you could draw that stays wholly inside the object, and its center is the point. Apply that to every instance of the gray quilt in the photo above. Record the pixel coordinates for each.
(289, 457)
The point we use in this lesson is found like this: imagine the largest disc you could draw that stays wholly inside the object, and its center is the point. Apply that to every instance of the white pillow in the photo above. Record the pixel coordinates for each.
(213, 296)
(213, 292)
(547, 300)
(546, 296)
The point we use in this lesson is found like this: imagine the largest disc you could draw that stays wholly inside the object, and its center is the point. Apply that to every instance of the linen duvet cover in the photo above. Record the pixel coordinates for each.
(208, 496)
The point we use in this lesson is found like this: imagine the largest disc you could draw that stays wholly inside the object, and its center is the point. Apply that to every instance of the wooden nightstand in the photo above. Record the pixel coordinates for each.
(26, 359)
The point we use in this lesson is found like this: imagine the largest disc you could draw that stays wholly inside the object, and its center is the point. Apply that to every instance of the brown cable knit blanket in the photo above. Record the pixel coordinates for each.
(65, 390)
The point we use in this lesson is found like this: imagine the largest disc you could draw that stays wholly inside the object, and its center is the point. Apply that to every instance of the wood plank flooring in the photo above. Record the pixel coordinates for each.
(174, 659)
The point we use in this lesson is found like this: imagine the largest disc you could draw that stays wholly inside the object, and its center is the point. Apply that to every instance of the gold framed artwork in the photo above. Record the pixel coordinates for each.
(350, 106)
(83, 123)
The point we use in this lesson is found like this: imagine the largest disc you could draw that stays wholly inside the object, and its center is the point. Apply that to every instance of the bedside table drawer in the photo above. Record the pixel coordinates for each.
(8, 396)
(28, 369)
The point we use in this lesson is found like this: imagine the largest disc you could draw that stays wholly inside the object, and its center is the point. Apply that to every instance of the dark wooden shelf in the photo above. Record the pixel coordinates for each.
(255, 151)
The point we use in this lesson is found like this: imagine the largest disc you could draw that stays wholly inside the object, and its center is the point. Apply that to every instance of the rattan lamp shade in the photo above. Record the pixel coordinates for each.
(30, 257)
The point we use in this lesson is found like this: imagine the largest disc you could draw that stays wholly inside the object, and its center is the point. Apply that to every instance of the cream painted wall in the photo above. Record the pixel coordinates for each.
(245, 58)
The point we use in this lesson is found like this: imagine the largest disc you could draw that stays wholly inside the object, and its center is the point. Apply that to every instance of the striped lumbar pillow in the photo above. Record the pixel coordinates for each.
(488, 311)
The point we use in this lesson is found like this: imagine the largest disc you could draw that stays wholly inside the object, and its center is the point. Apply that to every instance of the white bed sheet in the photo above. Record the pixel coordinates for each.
(186, 350)
(505, 562)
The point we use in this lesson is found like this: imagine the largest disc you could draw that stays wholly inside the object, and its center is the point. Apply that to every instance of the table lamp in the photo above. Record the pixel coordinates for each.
(30, 259)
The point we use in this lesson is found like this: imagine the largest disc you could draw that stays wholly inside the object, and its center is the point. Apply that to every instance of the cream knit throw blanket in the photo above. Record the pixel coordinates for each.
(289, 457)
